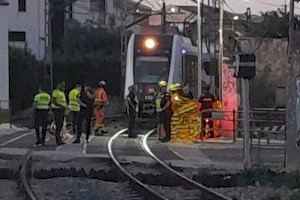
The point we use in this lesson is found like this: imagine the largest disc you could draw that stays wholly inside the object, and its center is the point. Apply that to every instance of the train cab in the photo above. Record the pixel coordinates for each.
(153, 58)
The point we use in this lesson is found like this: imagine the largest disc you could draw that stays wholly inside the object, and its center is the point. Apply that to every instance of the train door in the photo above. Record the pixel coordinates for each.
(189, 72)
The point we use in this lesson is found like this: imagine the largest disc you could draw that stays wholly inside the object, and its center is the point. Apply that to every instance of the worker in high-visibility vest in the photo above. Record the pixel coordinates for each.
(41, 107)
(59, 106)
(100, 101)
(74, 105)
(160, 125)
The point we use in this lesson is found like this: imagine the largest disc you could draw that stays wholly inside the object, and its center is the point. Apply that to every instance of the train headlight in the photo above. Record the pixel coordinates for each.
(150, 43)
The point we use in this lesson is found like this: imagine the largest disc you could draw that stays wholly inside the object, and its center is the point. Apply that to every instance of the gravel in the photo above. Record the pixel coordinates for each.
(80, 188)
(178, 193)
(9, 190)
(255, 193)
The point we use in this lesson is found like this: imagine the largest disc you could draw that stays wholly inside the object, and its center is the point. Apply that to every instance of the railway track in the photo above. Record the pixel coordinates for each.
(23, 177)
(164, 193)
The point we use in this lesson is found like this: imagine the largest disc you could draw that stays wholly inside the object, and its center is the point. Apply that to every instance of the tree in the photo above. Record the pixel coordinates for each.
(275, 24)
(88, 55)
(26, 75)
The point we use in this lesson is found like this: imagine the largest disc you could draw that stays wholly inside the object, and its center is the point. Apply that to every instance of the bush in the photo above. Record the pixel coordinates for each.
(88, 55)
(26, 74)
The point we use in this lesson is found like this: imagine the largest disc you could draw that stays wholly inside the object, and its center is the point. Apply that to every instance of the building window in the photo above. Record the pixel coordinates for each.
(17, 36)
(22, 5)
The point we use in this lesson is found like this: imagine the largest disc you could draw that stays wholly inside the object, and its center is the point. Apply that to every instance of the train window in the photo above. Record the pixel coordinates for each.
(151, 69)
(190, 69)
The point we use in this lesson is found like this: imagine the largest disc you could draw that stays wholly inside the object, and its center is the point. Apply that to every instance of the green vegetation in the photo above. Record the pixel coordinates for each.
(268, 178)
(253, 177)
(26, 74)
(275, 24)
(88, 55)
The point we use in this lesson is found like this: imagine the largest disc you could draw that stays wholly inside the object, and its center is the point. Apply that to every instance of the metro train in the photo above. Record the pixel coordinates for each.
(152, 58)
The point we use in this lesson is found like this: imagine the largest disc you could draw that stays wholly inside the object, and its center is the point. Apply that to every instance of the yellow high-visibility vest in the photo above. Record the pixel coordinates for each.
(73, 103)
(60, 98)
(42, 101)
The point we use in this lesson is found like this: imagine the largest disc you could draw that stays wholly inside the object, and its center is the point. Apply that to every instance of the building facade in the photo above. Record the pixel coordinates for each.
(26, 25)
(4, 73)
(106, 13)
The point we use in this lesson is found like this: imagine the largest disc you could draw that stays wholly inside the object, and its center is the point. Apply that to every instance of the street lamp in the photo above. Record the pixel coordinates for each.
(173, 10)
(235, 18)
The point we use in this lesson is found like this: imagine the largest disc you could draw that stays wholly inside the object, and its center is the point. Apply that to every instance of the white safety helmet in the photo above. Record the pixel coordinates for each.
(102, 83)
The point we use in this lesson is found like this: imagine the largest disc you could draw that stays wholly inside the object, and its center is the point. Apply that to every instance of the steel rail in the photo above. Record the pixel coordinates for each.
(130, 176)
(216, 195)
(24, 180)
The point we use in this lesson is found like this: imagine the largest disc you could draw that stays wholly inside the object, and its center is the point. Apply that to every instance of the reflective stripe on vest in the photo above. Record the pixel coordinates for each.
(42, 101)
(73, 103)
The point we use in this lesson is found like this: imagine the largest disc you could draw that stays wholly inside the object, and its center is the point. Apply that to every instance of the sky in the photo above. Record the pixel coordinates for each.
(256, 6)
(238, 6)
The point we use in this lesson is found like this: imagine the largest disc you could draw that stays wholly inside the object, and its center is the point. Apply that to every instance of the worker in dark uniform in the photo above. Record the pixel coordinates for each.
(132, 107)
(160, 124)
(166, 113)
(86, 113)
(41, 107)
(59, 105)
(185, 91)
(207, 101)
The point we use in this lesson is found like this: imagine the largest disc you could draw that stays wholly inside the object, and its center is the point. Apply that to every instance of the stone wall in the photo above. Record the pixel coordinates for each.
(271, 71)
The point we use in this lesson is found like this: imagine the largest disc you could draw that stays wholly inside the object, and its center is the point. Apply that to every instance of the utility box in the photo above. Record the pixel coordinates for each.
(281, 97)
(245, 66)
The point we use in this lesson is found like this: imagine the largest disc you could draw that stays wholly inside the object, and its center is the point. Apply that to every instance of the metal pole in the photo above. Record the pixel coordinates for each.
(164, 28)
(246, 125)
(234, 125)
(49, 50)
(215, 33)
(221, 52)
(199, 22)
(291, 26)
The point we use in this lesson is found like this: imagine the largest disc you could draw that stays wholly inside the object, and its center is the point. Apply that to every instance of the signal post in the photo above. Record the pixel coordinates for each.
(246, 70)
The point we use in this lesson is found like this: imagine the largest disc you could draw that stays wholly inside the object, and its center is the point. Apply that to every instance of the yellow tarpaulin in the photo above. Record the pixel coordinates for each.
(185, 122)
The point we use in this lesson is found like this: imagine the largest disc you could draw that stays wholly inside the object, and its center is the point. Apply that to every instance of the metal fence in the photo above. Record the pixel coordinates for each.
(267, 132)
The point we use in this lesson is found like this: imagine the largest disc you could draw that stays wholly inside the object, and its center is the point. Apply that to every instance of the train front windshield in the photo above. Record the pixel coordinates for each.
(151, 69)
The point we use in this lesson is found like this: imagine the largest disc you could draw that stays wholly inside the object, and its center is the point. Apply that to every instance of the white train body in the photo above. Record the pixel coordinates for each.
(153, 58)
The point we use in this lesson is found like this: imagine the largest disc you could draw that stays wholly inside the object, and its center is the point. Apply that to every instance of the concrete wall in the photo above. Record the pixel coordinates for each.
(271, 69)
(273, 53)
(4, 77)
(32, 21)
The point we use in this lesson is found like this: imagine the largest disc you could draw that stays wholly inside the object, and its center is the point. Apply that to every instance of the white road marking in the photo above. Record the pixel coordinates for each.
(17, 138)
